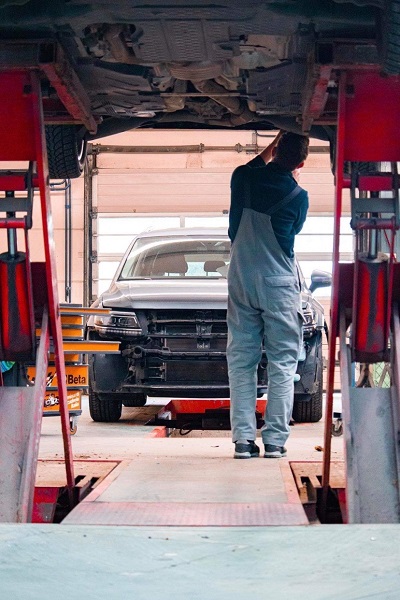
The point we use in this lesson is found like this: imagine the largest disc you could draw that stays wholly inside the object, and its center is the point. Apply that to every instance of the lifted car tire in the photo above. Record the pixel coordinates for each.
(104, 408)
(66, 151)
(311, 411)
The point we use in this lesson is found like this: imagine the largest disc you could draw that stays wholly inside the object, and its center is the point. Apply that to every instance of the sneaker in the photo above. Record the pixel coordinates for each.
(272, 451)
(249, 450)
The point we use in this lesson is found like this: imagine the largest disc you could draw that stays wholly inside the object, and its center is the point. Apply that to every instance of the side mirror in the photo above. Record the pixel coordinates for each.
(320, 279)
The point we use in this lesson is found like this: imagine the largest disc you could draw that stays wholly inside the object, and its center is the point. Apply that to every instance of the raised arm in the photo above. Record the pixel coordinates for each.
(268, 152)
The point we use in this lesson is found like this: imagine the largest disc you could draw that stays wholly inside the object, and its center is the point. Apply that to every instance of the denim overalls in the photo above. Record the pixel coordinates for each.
(264, 303)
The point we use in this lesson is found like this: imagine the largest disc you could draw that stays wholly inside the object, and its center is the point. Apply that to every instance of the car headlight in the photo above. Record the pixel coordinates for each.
(310, 320)
(118, 324)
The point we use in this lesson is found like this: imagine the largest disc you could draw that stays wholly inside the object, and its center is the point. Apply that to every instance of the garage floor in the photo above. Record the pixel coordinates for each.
(197, 526)
(130, 438)
(187, 480)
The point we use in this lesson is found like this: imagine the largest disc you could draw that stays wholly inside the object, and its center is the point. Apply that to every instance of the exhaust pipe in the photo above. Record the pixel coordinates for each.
(241, 114)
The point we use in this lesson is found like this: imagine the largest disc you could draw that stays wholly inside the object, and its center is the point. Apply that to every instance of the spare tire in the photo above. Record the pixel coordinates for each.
(66, 151)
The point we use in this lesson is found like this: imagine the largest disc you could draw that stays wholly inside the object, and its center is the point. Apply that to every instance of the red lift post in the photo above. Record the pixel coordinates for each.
(22, 135)
(366, 294)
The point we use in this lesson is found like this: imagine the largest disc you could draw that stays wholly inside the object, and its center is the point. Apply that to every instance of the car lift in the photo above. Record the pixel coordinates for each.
(28, 291)
(24, 289)
(366, 294)
(206, 414)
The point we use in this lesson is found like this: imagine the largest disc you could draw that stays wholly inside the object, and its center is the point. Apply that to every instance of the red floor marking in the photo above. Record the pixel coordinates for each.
(158, 432)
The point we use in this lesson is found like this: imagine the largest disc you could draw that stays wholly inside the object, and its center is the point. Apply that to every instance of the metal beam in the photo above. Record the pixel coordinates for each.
(188, 149)
(49, 57)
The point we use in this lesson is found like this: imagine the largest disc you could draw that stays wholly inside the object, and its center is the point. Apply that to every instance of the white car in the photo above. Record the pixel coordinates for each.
(168, 302)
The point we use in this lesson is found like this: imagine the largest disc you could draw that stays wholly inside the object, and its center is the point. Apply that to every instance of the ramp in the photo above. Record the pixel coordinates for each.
(19, 438)
(20, 424)
(172, 483)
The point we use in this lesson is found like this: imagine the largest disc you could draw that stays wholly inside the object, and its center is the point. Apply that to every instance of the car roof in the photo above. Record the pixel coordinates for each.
(189, 231)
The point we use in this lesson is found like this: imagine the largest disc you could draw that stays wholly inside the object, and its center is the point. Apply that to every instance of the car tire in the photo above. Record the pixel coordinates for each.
(66, 151)
(134, 400)
(388, 28)
(104, 408)
(310, 411)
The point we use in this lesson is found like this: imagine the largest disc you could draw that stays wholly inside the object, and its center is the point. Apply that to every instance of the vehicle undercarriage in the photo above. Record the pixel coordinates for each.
(260, 65)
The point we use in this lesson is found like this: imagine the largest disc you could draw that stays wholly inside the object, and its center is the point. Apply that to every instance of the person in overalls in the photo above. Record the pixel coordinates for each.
(268, 208)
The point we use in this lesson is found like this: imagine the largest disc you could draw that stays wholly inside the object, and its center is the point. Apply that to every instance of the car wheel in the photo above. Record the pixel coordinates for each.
(133, 400)
(311, 411)
(389, 33)
(66, 151)
(104, 408)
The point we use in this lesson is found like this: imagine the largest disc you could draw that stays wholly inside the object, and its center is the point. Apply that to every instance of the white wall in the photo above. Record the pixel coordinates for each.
(35, 236)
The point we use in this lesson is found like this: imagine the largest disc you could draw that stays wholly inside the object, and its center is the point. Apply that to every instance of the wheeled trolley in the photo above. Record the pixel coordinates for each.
(76, 372)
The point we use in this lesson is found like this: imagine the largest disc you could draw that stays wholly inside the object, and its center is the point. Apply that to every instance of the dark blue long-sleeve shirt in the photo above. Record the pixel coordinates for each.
(270, 183)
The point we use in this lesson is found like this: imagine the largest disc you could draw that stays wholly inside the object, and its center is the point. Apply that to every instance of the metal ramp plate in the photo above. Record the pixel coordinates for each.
(188, 514)
(20, 421)
(193, 484)
(372, 475)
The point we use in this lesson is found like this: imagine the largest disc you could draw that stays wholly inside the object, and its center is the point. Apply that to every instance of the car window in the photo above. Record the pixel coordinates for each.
(179, 257)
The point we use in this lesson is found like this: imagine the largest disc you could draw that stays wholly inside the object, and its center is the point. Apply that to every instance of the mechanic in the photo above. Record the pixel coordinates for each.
(268, 208)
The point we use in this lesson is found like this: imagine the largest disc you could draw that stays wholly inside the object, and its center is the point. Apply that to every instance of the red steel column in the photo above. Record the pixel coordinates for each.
(23, 139)
(51, 272)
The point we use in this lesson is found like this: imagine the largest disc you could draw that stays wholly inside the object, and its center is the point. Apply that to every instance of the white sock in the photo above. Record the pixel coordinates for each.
(242, 442)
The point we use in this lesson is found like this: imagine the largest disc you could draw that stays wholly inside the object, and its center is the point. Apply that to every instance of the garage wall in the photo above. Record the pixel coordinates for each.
(58, 201)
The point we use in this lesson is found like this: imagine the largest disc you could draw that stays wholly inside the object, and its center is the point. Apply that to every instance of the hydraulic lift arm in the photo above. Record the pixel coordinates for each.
(366, 294)
(22, 135)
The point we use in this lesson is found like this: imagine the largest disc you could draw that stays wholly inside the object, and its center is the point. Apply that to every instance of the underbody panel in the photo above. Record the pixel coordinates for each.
(152, 64)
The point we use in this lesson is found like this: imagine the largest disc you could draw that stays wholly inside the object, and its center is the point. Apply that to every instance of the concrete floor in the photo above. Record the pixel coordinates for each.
(142, 563)
(129, 438)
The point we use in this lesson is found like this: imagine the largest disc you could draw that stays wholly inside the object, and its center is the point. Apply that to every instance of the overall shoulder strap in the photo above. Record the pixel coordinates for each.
(247, 188)
(285, 200)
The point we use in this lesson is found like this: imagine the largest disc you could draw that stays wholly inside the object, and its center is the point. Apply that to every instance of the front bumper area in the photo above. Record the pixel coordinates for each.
(189, 373)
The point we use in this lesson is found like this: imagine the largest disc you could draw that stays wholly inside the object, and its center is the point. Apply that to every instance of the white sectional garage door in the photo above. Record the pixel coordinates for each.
(164, 181)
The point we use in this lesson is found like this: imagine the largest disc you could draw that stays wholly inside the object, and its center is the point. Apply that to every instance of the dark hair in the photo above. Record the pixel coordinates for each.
(291, 151)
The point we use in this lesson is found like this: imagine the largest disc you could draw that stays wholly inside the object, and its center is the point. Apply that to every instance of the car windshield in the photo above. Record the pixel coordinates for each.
(177, 257)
